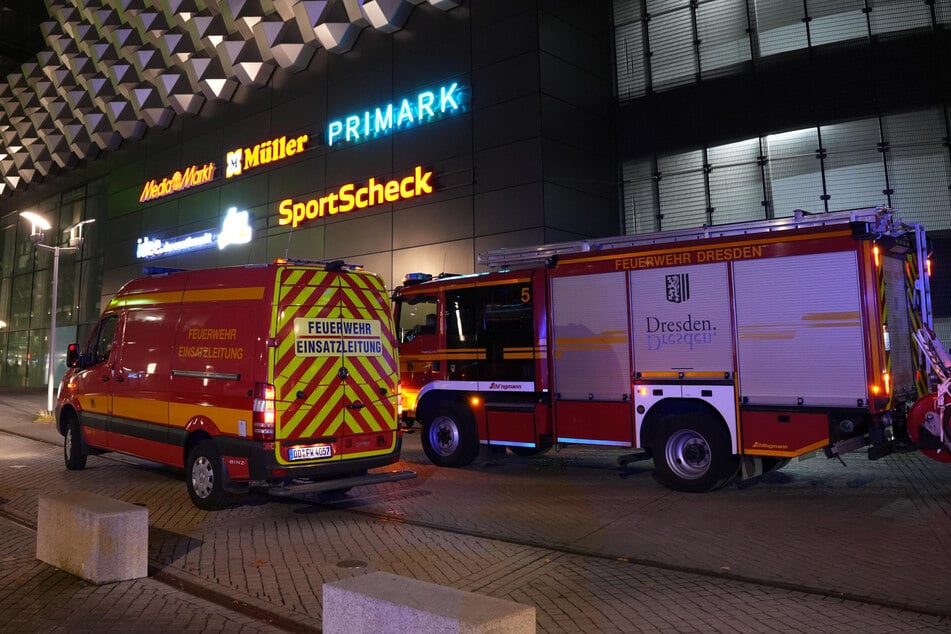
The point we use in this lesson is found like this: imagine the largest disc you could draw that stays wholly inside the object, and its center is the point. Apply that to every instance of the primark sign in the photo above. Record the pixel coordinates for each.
(410, 112)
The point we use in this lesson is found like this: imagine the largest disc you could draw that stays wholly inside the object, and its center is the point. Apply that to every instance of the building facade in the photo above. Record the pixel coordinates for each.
(732, 110)
(411, 135)
(402, 136)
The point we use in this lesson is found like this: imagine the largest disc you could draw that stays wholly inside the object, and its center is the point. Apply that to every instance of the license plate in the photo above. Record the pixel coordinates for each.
(310, 452)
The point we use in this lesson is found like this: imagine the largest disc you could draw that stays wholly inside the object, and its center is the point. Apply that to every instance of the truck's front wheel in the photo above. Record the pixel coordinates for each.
(692, 453)
(204, 475)
(449, 438)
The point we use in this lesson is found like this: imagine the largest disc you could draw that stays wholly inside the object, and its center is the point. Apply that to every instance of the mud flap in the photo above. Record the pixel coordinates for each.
(751, 467)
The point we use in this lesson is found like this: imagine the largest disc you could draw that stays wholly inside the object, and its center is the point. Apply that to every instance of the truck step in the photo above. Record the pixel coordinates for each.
(628, 458)
(340, 483)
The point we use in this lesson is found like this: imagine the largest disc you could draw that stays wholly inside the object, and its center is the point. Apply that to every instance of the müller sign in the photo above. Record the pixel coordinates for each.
(350, 197)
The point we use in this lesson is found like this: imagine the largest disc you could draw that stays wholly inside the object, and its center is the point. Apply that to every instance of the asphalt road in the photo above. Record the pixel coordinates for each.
(817, 546)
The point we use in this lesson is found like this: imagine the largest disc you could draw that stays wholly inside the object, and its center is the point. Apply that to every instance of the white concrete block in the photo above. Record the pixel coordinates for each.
(381, 603)
(94, 537)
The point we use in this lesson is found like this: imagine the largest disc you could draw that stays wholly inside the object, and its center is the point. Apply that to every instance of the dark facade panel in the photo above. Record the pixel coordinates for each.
(434, 223)
(511, 209)
(510, 37)
(573, 32)
(507, 122)
(509, 165)
(507, 79)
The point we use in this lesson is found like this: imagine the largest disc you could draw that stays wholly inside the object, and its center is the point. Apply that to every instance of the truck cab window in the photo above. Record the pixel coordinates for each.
(101, 346)
(417, 317)
(462, 318)
(507, 331)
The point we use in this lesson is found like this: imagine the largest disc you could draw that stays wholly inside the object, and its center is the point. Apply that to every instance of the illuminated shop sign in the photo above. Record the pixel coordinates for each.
(350, 197)
(278, 149)
(191, 177)
(235, 229)
(427, 106)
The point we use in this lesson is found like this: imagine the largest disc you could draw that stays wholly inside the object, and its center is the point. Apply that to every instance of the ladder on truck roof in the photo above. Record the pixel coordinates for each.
(880, 220)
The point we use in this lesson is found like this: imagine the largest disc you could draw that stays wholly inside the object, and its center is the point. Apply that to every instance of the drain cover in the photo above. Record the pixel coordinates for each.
(351, 563)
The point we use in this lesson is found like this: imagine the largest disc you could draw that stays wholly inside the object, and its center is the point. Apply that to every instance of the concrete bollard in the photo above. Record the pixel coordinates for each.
(94, 537)
(381, 603)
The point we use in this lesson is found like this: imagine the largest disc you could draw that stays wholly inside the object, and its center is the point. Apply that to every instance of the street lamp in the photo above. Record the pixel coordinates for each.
(39, 224)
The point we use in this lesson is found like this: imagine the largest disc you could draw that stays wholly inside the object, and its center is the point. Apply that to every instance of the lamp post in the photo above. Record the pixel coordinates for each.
(39, 224)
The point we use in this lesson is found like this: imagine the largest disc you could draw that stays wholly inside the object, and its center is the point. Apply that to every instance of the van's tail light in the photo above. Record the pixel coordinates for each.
(399, 399)
(262, 421)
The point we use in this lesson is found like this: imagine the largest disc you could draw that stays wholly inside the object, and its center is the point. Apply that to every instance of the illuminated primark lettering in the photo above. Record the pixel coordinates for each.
(427, 106)
(271, 151)
(350, 197)
(235, 229)
(180, 180)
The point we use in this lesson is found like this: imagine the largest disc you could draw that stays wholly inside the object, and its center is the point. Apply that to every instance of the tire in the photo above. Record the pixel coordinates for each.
(692, 453)
(528, 452)
(75, 450)
(449, 438)
(204, 476)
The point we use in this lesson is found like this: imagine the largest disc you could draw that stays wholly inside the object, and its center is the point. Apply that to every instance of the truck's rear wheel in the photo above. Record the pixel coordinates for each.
(449, 438)
(204, 475)
(692, 453)
(75, 450)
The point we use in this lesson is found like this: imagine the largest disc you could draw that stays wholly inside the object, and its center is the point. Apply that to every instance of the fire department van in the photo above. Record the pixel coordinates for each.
(716, 352)
(280, 377)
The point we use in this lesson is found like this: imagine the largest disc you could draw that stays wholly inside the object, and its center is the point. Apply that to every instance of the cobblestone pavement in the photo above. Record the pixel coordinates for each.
(836, 550)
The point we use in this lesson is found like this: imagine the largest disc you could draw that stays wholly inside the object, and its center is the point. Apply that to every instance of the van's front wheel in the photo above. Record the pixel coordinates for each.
(204, 475)
(75, 450)
(449, 438)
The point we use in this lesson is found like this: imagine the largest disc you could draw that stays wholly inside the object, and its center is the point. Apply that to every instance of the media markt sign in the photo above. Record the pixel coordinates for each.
(179, 181)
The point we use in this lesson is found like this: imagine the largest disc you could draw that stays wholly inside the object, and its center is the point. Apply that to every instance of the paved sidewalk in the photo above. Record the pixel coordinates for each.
(270, 558)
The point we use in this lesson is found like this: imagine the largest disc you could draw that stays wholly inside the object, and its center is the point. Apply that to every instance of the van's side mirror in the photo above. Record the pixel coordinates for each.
(72, 356)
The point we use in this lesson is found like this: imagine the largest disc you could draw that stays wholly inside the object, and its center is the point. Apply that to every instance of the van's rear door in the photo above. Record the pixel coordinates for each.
(334, 368)
(370, 362)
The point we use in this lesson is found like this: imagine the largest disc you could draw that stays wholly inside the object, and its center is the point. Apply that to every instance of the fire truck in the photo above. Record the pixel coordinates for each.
(718, 352)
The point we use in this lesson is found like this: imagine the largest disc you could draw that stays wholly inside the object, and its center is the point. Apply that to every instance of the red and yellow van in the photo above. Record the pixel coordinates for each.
(280, 377)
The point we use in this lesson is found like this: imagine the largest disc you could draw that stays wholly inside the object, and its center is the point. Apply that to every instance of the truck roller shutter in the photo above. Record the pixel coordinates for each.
(800, 331)
(592, 352)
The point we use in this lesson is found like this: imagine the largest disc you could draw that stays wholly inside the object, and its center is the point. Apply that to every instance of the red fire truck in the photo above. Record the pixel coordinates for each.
(717, 352)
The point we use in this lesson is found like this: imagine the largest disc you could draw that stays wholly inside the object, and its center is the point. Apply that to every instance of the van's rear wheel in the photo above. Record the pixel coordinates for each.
(75, 450)
(204, 475)
(692, 453)
(449, 438)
